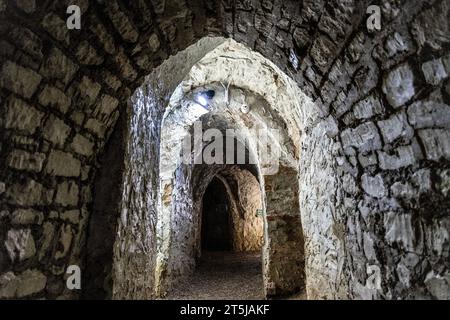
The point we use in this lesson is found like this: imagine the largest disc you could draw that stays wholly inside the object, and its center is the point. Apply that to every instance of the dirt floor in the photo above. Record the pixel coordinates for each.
(225, 276)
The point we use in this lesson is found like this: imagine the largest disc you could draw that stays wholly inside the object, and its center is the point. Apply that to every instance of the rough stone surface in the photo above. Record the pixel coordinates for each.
(82, 145)
(22, 285)
(22, 160)
(395, 127)
(58, 66)
(20, 244)
(372, 154)
(434, 71)
(373, 186)
(67, 194)
(55, 98)
(19, 80)
(63, 164)
(56, 131)
(27, 216)
(399, 86)
(21, 116)
(365, 137)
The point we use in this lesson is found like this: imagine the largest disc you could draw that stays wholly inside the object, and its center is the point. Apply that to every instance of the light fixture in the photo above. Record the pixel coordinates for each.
(245, 109)
(202, 100)
(204, 97)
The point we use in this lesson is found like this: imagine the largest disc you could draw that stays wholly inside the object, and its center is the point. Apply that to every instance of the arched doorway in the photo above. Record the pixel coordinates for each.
(278, 145)
(217, 229)
(229, 254)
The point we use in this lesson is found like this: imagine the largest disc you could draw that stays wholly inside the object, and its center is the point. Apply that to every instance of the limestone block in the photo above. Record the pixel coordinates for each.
(434, 71)
(67, 194)
(82, 145)
(367, 159)
(72, 216)
(373, 186)
(54, 98)
(395, 127)
(105, 108)
(105, 38)
(56, 131)
(267, 5)
(28, 193)
(56, 27)
(437, 236)
(396, 43)
(58, 66)
(121, 22)
(365, 137)
(27, 216)
(369, 248)
(398, 86)
(403, 157)
(429, 113)
(19, 244)
(23, 160)
(27, 283)
(63, 164)
(89, 90)
(422, 180)
(368, 107)
(402, 190)
(19, 80)
(399, 230)
(436, 143)
(322, 52)
(27, 41)
(87, 54)
(96, 127)
(21, 116)
(349, 184)
(77, 117)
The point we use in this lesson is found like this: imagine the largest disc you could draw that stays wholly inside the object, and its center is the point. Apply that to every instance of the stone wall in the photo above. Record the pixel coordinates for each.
(384, 100)
(284, 248)
(245, 191)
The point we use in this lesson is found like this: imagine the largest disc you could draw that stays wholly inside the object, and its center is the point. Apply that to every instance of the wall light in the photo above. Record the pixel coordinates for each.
(204, 97)
(245, 109)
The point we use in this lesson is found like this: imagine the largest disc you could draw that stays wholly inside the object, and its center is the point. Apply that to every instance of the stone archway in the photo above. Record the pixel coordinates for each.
(181, 114)
(216, 225)
(61, 93)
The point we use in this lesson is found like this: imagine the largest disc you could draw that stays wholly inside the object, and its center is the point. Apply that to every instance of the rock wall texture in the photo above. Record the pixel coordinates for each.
(284, 261)
(247, 220)
(374, 167)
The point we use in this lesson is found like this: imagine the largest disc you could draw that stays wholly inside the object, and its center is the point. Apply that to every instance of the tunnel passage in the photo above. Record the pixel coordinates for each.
(375, 196)
(229, 262)
(216, 219)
